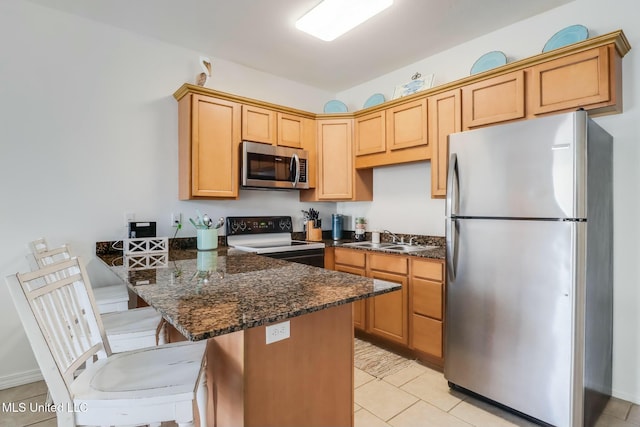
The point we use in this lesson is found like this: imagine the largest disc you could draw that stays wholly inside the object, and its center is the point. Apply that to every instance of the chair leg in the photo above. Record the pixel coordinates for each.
(202, 398)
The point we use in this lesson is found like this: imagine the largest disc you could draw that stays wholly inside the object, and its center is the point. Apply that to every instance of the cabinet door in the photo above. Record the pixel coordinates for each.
(493, 100)
(214, 142)
(352, 261)
(445, 117)
(370, 134)
(407, 125)
(427, 335)
(335, 159)
(259, 124)
(388, 312)
(578, 80)
(291, 130)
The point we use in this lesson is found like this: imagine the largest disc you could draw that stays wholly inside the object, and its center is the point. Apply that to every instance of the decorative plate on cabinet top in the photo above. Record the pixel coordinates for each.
(488, 61)
(335, 106)
(566, 36)
(375, 99)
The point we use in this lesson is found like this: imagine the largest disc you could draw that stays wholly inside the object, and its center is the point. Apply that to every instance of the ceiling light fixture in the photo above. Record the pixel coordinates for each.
(332, 18)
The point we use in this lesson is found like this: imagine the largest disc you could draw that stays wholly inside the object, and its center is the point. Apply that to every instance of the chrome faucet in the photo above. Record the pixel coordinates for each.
(393, 236)
(412, 239)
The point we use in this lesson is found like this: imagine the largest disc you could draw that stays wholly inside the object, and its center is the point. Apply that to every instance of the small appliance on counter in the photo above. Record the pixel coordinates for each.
(336, 226)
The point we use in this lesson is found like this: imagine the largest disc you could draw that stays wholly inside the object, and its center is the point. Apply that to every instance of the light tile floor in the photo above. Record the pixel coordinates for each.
(418, 396)
(415, 396)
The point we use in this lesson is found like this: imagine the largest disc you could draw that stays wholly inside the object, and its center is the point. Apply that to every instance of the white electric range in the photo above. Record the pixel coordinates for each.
(271, 236)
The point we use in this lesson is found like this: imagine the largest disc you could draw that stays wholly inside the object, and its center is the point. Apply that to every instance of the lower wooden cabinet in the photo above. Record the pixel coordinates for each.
(427, 305)
(354, 262)
(412, 317)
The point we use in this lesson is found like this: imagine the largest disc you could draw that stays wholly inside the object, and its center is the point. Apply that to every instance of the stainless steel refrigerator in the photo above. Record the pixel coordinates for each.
(529, 263)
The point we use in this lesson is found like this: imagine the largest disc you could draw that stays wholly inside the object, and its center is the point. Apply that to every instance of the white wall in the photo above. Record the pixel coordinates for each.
(88, 130)
(519, 41)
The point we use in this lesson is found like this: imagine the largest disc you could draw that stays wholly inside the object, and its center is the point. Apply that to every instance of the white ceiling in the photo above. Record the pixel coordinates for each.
(260, 33)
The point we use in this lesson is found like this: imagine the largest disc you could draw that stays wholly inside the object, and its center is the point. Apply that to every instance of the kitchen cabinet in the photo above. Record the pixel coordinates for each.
(387, 314)
(259, 124)
(494, 100)
(445, 117)
(407, 125)
(427, 307)
(292, 130)
(209, 135)
(392, 136)
(583, 80)
(354, 262)
(275, 127)
(370, 134)
(337, 179)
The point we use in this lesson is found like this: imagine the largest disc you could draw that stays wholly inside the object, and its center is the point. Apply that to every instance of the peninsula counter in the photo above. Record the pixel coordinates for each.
(230, 297)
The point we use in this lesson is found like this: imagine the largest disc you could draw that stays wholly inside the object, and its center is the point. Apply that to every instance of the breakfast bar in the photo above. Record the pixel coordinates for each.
(280, 349)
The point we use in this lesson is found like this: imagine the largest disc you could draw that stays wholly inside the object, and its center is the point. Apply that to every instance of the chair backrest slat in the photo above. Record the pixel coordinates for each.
(63, 305)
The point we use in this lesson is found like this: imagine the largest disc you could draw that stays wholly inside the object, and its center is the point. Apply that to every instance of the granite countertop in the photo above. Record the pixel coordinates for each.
(434, 253)
(204, 294)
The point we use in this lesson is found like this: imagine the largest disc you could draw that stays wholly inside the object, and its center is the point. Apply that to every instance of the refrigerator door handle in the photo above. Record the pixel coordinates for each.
(452, 190)
(453, 195)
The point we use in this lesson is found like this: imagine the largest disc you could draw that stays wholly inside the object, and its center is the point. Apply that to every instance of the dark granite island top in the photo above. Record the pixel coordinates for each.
(205, 294)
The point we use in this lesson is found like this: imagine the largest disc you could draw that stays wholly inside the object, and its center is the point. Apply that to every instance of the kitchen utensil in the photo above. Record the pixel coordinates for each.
(220, 223)
(207, 221)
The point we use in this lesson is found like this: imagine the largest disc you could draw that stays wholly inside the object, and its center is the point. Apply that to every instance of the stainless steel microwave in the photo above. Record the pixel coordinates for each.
(269, 166)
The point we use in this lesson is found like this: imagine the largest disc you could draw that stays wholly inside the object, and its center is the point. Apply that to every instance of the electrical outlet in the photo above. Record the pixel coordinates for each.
(278, 332)
(176, 219)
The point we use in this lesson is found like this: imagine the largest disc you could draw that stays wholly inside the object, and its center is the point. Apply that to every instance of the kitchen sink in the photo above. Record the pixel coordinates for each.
(390, 247)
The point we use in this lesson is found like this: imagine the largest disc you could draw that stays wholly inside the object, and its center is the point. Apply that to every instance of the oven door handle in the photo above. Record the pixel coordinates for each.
(295, 159)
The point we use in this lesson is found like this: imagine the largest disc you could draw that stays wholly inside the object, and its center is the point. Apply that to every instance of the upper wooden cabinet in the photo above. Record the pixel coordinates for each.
(273, 127)
(370, 136)
(208, 147)
(407, 125)
(587, 79)
(493, 100)
(259, 124)
(337, 178)
(392, 136)
(291, 130)
(445, 111)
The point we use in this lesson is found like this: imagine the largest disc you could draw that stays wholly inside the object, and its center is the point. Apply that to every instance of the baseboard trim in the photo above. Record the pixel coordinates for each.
(629, 397)
(21, 378)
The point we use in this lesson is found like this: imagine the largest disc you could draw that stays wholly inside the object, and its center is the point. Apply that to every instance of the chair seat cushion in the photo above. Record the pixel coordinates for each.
(165, 371)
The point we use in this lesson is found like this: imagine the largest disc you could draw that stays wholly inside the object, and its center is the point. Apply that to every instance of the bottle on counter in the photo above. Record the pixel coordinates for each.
(361, 223)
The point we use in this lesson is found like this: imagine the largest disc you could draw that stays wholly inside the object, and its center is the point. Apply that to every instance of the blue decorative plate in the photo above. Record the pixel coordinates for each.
(566, 36)
(488, 61)
(335, 106)
(375, 99)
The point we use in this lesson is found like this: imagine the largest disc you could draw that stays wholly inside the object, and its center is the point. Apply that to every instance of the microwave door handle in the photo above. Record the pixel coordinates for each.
(295, 159)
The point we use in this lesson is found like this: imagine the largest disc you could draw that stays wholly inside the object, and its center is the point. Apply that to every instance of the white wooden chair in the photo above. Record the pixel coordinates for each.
(60, 317)
(110, 297)
(126, 330)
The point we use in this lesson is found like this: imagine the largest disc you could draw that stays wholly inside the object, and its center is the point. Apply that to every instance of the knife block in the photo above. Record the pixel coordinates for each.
(313, 234)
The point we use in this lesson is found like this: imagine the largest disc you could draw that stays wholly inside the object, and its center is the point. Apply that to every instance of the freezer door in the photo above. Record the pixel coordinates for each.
(528, 169)
(509, 314)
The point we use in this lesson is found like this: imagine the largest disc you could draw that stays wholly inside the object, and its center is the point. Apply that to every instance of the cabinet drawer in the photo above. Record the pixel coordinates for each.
(427, 335)
(427, 269)
(390, 263)
(427, 298)
(350, 257)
